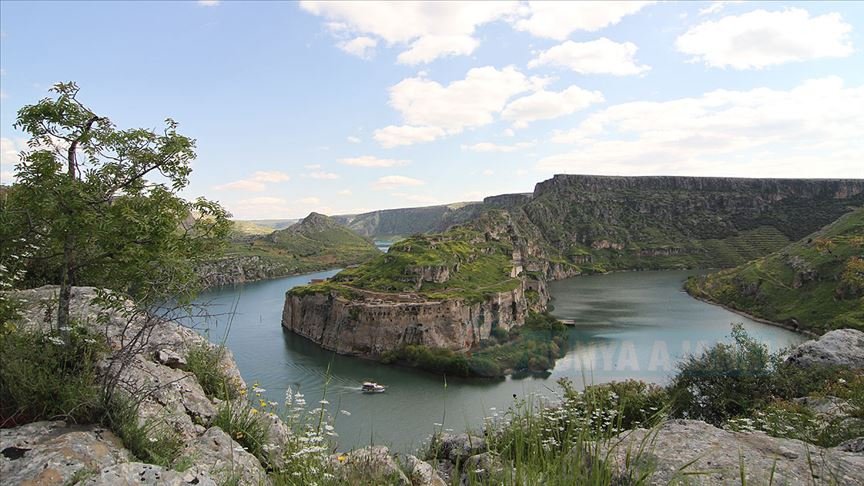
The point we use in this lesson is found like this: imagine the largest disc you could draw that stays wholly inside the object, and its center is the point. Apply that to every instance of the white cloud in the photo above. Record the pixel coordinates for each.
(759, 39)
(492, 147)
(488, 172)
(257, 182)
(354, 139)
(431, 29)
(362, 47)
(310, 200)
(9, 150)
(601, 56)
(815, 127)
(323, 175)
(469, 102)
(344, 192)
(312, 166)
(557, 20)
(397, 181)
(545, 105)
(428, 48)
(208, 3)
(716, 7)
(270, 176)
(392, 136)
(371, 161)
(3, 95)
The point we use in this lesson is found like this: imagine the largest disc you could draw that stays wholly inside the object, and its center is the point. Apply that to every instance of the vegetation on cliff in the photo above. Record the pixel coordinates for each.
(531, 348)
(458, 264)
(815, 284)
(315, 243)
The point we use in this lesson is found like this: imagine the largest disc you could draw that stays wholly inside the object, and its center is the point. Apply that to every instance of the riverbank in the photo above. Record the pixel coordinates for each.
(788, 327)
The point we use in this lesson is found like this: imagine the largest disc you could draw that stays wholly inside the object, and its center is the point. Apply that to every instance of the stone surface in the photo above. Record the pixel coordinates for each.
(136, 473)
(370, 465)
(171, 359)
(52, 453)
(219, 456)
(483, 467)
(717, 455)
(842, 347)
(826, 407)
(458, 447)
(421, 473)
(852, 445)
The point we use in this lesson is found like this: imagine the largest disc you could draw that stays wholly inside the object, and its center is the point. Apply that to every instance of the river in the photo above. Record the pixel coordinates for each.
(628, 325)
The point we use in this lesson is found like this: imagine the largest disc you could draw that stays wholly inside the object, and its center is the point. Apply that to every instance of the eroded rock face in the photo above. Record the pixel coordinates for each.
(241, 269)
(52, 453)
(370, 326)
(137, 473)
(216, 454)
(370, 465)
(842, 347)
(718, 456)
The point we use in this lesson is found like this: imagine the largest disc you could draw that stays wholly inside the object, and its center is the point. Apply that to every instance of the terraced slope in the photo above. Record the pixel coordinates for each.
(816, 283)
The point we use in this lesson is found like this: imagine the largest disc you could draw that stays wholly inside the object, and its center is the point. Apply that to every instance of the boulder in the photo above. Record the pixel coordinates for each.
(841, 347)
(136, 473)
(370, 465)
(53, 453)
(852, 445)
(483, 467)
(421, 473)
(695, 452)
(171, 359)
(458, 447)
(217, 455)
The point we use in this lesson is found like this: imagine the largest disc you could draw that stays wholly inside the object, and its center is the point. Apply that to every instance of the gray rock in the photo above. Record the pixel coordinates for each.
(171, 359)
(679, 447)
(826, 407)
(52, 453)
(136, 473)
(458, 447)
(842, 347)
(483, 467)
(852, 445)
(217, 455)
(421, 473)
(370, 465)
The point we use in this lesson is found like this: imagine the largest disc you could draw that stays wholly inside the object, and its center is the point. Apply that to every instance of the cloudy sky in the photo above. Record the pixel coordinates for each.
(347, 107)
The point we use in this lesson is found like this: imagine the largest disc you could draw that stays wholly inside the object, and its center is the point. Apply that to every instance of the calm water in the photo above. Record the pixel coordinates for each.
(629, 325)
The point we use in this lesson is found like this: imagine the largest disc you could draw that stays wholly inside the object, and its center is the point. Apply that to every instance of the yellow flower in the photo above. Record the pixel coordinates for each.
(254, 410)
(341, 458)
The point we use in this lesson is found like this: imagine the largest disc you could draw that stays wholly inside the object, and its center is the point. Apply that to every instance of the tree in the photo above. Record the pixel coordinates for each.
(97, 205)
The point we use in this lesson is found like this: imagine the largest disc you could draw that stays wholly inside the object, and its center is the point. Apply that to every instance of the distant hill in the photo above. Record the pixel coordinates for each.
(315, 243)
(388, 223)
(816, 283)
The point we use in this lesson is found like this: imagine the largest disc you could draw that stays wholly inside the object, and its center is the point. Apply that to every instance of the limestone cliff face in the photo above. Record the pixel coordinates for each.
(240, 269)
(369, 324)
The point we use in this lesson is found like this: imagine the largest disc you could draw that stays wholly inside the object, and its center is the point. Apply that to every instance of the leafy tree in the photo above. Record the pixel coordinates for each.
(97, 205)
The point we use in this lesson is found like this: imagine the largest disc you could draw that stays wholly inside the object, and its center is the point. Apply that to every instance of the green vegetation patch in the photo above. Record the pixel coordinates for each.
(533, 347)
(816, 283)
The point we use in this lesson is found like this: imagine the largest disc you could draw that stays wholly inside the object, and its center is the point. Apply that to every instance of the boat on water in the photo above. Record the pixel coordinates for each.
(372, 387)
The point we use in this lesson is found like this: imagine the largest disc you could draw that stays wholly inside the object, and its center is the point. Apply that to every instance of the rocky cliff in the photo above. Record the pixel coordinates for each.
(316, 243)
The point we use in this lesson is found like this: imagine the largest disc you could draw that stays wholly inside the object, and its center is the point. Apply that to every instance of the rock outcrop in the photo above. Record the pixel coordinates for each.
(842, 347)
(234, 270)
(693, 452)
(171, 400)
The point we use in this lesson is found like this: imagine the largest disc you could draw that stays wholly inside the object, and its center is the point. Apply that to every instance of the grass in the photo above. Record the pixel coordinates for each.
(244, 424)
(205, 362)
(816, 283)
(148, 442)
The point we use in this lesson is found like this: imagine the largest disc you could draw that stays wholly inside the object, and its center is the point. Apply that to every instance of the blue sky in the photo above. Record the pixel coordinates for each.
(348, 107)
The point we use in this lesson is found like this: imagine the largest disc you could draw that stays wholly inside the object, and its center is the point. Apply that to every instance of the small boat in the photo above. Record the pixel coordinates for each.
(372, 387)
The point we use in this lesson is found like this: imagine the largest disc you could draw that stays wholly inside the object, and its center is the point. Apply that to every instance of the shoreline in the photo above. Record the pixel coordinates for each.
(788, 327)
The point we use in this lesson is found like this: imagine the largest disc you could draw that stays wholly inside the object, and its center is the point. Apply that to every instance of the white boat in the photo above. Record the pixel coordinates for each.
(372, 387)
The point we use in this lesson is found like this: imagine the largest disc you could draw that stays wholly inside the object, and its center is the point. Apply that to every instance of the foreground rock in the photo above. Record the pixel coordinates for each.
(843, 347)
(52, 453)
(695, 452)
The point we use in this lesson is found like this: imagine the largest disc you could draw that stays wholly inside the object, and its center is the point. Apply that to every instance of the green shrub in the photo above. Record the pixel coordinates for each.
(204, 362)
(244, 424)
(725, 382)
(148, 442)
(47, 377)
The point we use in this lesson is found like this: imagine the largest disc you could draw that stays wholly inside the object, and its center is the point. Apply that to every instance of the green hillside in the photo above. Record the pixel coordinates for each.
(317, 242)
(816, 283)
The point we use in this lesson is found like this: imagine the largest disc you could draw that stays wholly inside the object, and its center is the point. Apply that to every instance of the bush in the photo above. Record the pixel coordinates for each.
(204, 362)
(244, 424)
(45, 377)
(725, 382)
(147, 442)
(436, 360)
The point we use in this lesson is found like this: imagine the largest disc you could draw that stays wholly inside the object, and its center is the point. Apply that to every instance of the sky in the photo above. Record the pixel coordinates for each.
(346, 107)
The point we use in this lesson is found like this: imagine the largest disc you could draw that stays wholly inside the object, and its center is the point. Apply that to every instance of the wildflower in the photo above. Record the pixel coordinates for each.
(153, 439)
(253, 411)
(324, 402)
(841, 381)
(258, 390)
(56, 340)
(345, 413)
